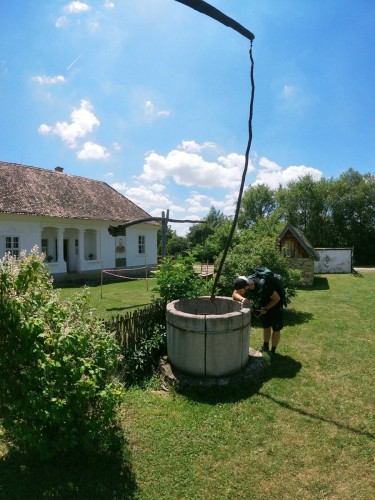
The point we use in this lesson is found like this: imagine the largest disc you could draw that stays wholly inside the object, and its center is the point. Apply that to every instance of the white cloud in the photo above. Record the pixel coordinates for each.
(82, 123)
(269, 165)
(152, 112)
(44, 129)
(191, 169)
(272, 175)
(194, 147)
(148, 197)
(76, 7)
(184, 167)
(60, 21)
(48, 80)
(91, 151)
(73, 8)
(116, 146)
(121, 187)
(109, 5)
(198, 202)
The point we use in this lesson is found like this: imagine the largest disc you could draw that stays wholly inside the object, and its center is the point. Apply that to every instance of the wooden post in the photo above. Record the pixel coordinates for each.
(164, 226)
(146, 275)
(163, 234)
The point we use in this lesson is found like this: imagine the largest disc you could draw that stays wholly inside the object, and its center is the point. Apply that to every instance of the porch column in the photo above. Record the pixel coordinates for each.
(60, 246)
(81, 248)
(98, 245)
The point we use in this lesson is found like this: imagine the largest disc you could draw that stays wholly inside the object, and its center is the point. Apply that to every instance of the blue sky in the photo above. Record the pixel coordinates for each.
(153, 98)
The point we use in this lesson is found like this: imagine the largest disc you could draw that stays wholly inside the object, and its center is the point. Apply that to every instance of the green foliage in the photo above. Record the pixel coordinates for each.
(353, 213)
(330, 212)
(335, 212)
(176, 244)
(144, 342)
(58, 365)
(258, 247)
(216, 241)
(202, 237)
(141, 361)
(176, 279)
(258, 202)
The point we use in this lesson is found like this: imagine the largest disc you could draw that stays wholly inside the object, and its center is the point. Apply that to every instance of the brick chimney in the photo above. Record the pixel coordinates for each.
(59, 169)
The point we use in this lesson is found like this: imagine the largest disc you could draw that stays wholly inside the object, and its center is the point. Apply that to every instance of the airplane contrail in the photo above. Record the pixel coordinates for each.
(75, 60)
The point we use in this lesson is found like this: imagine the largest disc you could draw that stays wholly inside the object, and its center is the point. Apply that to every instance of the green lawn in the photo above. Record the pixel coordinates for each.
(303, 430)
(116, 298)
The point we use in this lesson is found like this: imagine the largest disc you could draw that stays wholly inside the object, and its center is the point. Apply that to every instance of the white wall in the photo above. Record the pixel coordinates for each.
(92, 235)
(27, 229)
(133, 257)
(333, 260)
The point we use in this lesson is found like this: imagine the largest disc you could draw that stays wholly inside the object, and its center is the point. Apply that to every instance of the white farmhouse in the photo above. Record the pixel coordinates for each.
(68, 217)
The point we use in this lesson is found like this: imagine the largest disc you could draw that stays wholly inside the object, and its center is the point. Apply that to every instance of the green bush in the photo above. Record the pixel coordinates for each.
(253, 250)
(143, 341)
(177, 279)
(58, 365)
(141, 361)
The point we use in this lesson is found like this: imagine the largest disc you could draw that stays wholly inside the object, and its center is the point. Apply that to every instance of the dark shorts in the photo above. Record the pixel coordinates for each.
(274, 319)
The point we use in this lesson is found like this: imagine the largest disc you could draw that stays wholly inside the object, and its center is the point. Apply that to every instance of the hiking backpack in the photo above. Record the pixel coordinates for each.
(276, 280)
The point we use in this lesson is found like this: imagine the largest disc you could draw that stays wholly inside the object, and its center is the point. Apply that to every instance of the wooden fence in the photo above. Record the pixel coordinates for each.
(138, 325)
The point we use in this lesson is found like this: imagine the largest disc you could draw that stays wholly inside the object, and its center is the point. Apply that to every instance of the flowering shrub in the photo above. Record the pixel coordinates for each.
(58, 386)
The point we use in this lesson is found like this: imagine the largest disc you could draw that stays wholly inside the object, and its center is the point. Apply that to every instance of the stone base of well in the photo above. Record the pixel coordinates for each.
(170, 376)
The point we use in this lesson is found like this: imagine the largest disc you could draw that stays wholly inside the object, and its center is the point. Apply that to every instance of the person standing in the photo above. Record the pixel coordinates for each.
(271, 308)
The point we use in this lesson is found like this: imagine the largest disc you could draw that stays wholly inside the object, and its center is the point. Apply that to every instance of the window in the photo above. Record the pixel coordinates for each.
(12, 245)
(141, 244)
(45, 246)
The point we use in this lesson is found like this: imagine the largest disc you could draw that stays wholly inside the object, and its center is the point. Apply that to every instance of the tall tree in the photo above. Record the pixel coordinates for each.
(353, 214)
(200, 234)
(305, 204)
(258, 202)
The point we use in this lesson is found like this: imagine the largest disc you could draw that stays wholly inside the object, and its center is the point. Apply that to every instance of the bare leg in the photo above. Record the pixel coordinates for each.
(275, 339)
(267, 334)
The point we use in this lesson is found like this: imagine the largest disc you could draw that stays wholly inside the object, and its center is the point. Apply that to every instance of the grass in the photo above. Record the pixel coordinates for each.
(116, 298)
(303, 429)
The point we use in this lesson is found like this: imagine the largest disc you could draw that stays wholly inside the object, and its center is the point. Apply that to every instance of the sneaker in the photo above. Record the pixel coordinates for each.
(264, 349)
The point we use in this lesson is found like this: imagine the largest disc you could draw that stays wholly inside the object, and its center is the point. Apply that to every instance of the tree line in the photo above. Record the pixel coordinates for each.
(332, 213)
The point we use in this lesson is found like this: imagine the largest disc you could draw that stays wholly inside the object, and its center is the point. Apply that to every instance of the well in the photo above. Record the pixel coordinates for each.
(208, 338)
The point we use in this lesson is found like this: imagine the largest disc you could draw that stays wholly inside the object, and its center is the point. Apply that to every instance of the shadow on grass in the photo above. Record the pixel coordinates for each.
(281, 367)
(245, 387)
(79, 476)
(127, 307)
(320, 283)
(291, 318)
(316, 416)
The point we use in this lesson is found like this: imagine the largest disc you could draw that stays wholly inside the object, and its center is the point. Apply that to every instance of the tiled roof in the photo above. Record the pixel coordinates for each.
(38, 191)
